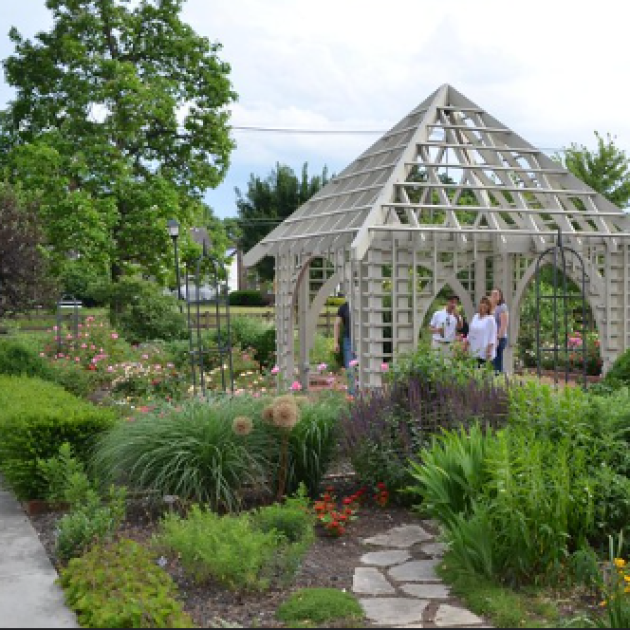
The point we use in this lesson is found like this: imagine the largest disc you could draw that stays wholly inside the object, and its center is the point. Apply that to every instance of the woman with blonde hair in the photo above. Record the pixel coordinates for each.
(482, 337)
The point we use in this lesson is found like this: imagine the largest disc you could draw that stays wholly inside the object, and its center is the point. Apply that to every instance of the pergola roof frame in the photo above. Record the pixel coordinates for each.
(448, 196)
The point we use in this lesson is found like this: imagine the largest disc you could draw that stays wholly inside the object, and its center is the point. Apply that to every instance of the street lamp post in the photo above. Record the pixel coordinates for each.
(173, 232)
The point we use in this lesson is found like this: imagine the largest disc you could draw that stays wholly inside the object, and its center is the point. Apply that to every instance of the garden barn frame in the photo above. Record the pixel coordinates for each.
(449, 196)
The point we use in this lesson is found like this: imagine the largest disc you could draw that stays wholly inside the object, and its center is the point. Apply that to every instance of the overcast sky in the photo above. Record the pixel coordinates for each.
(552, 71)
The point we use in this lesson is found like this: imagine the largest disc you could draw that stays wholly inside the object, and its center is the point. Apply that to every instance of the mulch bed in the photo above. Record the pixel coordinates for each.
(330, 563)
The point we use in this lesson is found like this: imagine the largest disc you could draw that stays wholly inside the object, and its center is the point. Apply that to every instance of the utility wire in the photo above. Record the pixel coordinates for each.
(331, 132)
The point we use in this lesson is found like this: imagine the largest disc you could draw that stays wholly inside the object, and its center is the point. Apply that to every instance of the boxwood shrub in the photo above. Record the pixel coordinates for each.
(247, 298)
(37, 419)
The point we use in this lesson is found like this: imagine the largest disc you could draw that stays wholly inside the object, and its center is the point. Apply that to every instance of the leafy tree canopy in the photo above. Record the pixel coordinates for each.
(120, 122)
(269, 201)
(605, 169)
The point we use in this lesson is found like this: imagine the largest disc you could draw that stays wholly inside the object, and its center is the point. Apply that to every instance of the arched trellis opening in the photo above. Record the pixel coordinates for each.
(526, 292)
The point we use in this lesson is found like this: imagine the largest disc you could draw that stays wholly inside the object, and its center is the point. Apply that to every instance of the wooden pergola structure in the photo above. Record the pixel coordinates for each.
(449, 196)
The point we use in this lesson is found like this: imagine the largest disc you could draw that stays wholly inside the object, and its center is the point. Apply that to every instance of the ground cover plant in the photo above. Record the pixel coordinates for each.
(249, 551)
(314, 606)
(121, 586)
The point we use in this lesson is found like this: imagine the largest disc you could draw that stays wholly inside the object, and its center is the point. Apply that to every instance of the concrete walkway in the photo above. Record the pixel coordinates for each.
(398, 586)
(29, 597)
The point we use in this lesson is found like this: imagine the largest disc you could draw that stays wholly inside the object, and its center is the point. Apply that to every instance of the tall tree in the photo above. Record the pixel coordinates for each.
(22, 264)
(121, 122)
(269, 201)
(605, 169)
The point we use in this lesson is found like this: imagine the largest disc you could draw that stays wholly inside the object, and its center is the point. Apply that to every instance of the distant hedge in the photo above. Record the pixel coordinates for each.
(247, 298)
(37, 419)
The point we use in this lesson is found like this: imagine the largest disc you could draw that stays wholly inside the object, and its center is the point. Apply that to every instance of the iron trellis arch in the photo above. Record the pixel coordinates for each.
(558, 253)
(200, 349)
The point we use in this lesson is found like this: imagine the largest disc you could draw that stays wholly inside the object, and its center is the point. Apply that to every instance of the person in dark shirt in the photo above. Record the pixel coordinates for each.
(342, 322)
(344, 343)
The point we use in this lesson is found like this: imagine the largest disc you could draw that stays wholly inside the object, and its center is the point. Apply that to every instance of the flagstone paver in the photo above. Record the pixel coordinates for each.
(427, 591)
(371, 582)
(418, 571)
(401, 537)
(388, 611)
(400, 588)
(386, 558)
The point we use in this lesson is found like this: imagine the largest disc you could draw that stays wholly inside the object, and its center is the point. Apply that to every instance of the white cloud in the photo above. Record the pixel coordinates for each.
(553, 71)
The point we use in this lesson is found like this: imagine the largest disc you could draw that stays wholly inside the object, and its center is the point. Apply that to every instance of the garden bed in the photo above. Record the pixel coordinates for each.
(330, 563)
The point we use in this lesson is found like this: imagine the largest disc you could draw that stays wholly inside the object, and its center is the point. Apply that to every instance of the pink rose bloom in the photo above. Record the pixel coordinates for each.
(353, 363)
(296, 387)
(114, 335)
(55, 328)
(170, 366)
(110, 369)
(322, 367)
(84, 346)
(92, 347)
(276, 370)
(145, 356)
(331, 381)
(384, 367)
(60, 355)
(69, 337)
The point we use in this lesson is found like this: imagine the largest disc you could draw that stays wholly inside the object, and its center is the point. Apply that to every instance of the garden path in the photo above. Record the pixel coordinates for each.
(29, 597)
(398, 586)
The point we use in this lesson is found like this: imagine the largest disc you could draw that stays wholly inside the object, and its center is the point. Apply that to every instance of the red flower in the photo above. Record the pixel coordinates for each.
(381, 486)
(348, 501)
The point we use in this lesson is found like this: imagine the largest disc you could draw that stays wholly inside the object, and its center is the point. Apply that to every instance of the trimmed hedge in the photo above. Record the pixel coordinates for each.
(247, 298)
(37, 419)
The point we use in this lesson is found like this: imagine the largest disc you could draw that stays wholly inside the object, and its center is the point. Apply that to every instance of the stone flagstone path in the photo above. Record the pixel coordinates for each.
(398, 587)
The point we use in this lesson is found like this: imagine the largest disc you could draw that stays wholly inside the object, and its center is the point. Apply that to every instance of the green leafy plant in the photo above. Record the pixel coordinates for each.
(292, 520)
(619, 373)
(91, 522)
(65, 478)
(228, 549)
(452, 474)
(192, 452)
(37, 419)
(143, 313)
(312, 607)
(313, 442)
(120, 586)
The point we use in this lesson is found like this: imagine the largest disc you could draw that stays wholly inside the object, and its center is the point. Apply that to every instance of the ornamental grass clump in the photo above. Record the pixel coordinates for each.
(203, 452)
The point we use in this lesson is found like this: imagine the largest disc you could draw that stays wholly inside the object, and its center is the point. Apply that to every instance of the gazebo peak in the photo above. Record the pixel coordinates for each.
(449, 168)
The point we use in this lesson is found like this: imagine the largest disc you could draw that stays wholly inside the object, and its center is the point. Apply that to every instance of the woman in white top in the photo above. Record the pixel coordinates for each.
(482, 337)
